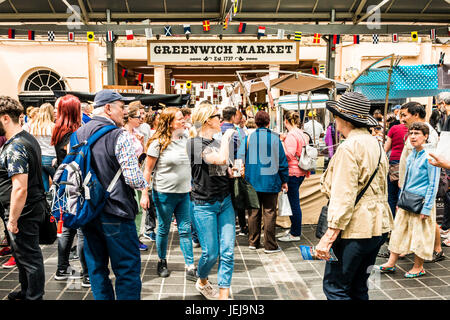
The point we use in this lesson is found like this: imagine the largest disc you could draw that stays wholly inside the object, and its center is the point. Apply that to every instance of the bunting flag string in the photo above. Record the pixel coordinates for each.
(124, 73)
(261, 31)
(356, 39)
(70, 36)
(148, 33)
(316, 38)
(433, 34)
(298, 36)
(51, 35)
(90, 36)
(336, 38)
(30, 35)
(140, 77)
(172, 82)
(11, 33)
(414, 36)
(110, 36)
(130, 34)
(375, 39)
(168, 31)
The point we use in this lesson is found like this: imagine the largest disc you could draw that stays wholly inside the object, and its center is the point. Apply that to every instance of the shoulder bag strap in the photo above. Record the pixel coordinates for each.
(360, 195)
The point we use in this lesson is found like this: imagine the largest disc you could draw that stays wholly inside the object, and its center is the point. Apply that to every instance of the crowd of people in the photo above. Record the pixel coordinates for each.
(177, 166)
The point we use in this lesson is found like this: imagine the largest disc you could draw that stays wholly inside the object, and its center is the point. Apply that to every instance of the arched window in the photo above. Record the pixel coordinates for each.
(44, 80)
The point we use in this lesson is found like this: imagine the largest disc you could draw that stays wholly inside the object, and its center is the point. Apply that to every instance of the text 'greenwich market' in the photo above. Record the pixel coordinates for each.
(223, 49)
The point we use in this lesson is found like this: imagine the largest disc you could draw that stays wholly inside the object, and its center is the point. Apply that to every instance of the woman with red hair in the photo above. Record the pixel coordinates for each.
(68, 120)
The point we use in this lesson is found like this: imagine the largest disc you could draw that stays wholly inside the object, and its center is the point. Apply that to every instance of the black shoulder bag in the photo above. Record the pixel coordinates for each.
(322, 224)
(409, 201)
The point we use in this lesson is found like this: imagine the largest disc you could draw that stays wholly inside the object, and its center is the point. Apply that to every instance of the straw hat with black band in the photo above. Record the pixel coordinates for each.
(353, 107)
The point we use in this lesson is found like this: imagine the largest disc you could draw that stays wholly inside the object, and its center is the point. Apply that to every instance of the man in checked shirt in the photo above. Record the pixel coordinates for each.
(112, 235)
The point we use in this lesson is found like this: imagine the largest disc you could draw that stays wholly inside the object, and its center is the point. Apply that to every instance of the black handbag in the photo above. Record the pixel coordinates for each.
(409, 201)
(48, 227)
(322, 224)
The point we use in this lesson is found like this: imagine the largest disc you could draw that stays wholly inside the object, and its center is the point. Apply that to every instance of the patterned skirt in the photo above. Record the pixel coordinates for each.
(413, 235)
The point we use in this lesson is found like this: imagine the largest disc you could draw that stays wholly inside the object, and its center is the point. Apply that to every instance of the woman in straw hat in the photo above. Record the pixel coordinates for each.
(356, 229)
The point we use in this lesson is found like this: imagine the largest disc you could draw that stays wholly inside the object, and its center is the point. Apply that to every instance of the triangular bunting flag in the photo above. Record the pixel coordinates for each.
(110, 36)
(206, 25)
(204, 85)
(314, 70)
(414, 36)
(187, 28)
(394, 38)
(316, 38)
(130, 35)
(242, 26)
(280, 34)
(30, 35)
(321, 68)
(148, 33)
(51, 36)
(298, 36)
(172, 82)
(90, 36)
(235, 7)
(375, 39)
(70, 36)
(11, 33)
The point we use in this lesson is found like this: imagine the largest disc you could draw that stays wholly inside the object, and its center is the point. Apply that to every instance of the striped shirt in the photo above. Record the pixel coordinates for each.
(422, 178)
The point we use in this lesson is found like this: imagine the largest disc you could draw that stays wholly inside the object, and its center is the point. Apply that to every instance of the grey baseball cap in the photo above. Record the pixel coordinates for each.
(106, 96)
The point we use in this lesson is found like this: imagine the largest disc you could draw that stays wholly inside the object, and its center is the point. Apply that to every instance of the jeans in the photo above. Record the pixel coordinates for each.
(168, 204)
(346, 279)
(64, 245)
(294, 200)
(193, 228)
(48, 171)
(393, 191)
(112, 238)
(28, 254)
(150, 216)
(216, 226)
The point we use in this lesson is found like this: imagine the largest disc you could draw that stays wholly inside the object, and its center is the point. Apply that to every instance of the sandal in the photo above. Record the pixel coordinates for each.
(415, 275)
(446, 242)
(386, 269)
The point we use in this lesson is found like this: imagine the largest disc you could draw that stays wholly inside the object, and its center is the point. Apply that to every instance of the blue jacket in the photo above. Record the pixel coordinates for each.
(266, 166)
(422, 179)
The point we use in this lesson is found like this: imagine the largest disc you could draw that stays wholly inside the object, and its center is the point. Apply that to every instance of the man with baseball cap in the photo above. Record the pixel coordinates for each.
(112, 235)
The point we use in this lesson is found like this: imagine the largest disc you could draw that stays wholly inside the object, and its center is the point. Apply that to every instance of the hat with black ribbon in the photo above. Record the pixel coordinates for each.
(353, 107)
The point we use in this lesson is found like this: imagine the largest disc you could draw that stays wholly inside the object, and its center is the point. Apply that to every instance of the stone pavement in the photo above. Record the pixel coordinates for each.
(257, 276)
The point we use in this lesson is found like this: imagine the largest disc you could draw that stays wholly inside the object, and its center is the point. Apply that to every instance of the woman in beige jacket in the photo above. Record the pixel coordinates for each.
(355, 233)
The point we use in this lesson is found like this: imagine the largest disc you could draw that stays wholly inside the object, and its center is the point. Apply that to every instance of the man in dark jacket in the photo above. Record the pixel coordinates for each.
(112, 235)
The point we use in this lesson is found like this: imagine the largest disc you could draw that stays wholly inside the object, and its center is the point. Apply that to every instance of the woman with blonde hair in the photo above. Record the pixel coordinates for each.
(213, 212)
(31, 115)
(41, 128)
(168, 159)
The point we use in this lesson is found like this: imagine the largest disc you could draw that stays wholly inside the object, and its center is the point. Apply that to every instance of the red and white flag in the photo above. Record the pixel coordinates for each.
(261, 31)
(172, 82)
(129, 34)
(394, 37)
(433, 34)
(70, 36)
(110, 36)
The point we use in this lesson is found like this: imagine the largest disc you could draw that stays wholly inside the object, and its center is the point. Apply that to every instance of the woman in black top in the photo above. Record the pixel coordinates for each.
(214, 216)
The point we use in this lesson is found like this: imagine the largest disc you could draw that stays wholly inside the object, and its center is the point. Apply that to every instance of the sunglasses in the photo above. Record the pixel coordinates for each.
(215, 115)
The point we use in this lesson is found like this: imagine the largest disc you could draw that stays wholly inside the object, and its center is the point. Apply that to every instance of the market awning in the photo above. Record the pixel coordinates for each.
(301, 83)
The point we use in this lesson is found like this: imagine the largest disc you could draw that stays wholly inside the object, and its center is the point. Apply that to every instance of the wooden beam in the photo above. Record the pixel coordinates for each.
(389, 6)
(83, 11)
(426, 6)
(359, 9)
(315, 6)
(12, 6)
(278, 6)
(90, 6)
(51, 6)
(352, 6)
(165, 7)
(128, 6)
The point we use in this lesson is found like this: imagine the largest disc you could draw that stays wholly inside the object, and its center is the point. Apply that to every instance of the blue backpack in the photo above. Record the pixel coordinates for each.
(77, 194)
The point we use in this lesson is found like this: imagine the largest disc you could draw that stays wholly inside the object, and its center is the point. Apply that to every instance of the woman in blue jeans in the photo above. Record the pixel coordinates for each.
(214, 216)
(167, 158)
(293, 144)
(41, 128)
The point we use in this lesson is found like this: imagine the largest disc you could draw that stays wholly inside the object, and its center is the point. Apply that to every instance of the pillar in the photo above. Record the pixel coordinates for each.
(275, 95)
(111, 62)
(331, 59)
(160, 79)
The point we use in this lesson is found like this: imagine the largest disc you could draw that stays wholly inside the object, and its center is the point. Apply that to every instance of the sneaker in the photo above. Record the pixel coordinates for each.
(289, 237)
(6, 251)
(207, 290)
(252, 247)
(11, 263)
(75, 275)
(437, 256)
(62, 274)
(195, 244)
(283, 234)
(150, 236)
(16, 295)
(142, 246)
(162, 270)
(272, 251)
(243, 232)
(86, 283)
(73, 256)
(4, 242)
(191, 274)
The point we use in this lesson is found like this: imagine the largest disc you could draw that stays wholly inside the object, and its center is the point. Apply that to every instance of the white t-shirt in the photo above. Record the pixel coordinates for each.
(146, 131)
(172, 172)
(318, 129)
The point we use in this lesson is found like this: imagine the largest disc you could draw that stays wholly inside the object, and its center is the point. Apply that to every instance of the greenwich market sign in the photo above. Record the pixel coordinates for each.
(223, 52)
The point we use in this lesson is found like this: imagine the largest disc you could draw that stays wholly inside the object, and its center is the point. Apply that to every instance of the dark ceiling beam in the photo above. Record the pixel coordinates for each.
(51, 6)
(165, 7)
(89, 6)
(278, 6)
(128, 6)
(315, 6)
(223, 9)
(13, 6)
(358, 10)
(389, 6)
(232, 31)
(83, 11)
(254, 16)
(426, 6)
(352, 6)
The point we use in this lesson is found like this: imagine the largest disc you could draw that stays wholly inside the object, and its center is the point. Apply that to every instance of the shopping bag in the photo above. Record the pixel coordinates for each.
(284, 207)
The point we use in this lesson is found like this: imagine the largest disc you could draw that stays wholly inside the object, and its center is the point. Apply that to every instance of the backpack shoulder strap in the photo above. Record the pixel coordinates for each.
(99, 133)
